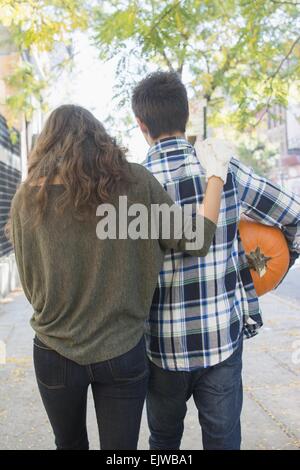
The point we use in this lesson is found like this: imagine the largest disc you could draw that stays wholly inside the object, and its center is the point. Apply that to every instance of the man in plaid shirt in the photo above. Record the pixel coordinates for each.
(202, 307)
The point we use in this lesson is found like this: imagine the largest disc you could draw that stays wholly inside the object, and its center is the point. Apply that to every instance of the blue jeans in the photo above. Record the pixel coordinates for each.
(119, 389)
(218, 395)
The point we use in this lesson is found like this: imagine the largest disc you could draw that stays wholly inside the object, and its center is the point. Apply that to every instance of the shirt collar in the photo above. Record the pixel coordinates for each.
(168, 144)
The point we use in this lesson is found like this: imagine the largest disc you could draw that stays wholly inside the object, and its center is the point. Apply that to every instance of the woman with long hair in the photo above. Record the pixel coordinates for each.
(91, 295)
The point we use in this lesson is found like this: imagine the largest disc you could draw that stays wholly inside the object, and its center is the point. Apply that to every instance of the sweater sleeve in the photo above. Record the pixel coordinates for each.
(176, 230)
(17, 239)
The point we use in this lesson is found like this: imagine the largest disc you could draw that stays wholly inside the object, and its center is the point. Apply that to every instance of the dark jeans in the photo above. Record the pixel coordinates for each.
(218, 395)
(119, 389)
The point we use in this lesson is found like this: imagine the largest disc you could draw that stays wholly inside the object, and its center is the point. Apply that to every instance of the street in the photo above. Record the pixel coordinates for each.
(271, 414)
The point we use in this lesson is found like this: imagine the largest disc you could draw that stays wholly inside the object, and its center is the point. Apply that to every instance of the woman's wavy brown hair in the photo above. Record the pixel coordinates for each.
(91, 166)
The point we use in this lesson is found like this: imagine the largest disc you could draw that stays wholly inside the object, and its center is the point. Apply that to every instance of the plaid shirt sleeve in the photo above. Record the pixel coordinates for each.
(270, 204)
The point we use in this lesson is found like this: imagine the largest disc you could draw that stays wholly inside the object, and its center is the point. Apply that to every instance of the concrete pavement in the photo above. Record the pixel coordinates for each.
(271, 414)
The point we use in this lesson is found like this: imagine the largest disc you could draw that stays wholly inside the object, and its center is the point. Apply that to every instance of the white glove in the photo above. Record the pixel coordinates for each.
(214, 156)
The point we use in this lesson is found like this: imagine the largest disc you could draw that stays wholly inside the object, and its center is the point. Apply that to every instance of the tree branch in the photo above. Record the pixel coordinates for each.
(267, 107)
(285, 58)
(164, 14)
(285, 2)
(167, 60)
(271, 78)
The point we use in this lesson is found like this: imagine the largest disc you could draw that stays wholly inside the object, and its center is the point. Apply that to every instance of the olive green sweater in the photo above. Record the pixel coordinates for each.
(90, 297)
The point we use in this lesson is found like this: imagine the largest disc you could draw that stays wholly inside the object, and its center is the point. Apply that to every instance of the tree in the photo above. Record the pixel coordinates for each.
(38, 26)
(42, 23)
(240, 55)
(258, 154)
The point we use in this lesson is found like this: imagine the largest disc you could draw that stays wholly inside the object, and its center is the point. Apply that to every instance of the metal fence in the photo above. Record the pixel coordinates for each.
(5, 140)
(10, 177)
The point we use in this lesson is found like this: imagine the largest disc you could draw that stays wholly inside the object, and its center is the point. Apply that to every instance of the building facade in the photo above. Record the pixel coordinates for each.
(10, 164)
(15, 141)
(282, 127)
(10, 178)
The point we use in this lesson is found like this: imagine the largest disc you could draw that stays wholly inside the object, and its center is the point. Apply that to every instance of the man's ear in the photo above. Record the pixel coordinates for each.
(142, 126)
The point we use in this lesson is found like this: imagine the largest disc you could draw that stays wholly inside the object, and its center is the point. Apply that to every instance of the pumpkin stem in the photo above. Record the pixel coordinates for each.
(258, 261)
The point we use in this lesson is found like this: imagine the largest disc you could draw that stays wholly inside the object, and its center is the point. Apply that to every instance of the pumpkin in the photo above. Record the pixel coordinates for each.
(267, 254)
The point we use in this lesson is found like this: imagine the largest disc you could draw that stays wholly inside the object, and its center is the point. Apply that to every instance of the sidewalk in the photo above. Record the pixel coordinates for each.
(271, 415)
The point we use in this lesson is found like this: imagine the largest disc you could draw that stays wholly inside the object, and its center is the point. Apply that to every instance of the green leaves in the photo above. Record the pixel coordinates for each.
(38, 26)
(259, 155)
(27, 89)
(241, 55)
(42, 23)
(234, 49)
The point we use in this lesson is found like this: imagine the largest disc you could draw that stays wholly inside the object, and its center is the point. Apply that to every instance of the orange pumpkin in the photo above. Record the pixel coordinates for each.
(267, 253)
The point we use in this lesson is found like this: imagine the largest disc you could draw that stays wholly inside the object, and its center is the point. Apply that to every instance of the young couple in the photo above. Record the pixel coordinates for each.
(145, 317)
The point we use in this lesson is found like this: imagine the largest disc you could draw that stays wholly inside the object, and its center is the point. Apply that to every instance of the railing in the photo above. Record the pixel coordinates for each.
(10, 178)
(5, 140)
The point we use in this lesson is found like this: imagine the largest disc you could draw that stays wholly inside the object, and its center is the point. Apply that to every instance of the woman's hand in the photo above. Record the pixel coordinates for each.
(214, 156)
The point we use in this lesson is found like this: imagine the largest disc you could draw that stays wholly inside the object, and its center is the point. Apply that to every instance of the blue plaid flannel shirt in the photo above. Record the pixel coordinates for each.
(202, 306)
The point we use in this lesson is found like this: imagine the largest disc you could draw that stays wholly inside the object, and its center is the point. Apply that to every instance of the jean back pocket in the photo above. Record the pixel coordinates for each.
(50, 366)
(131, 366)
